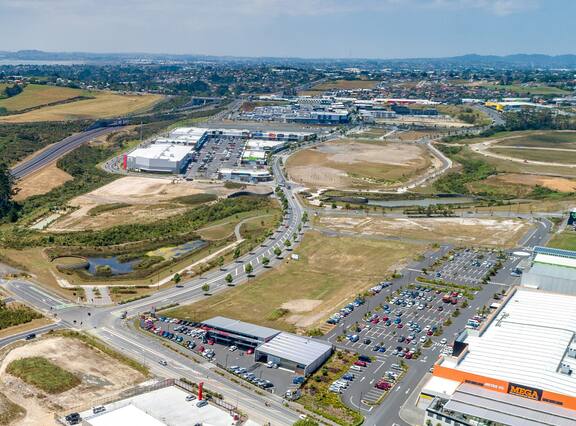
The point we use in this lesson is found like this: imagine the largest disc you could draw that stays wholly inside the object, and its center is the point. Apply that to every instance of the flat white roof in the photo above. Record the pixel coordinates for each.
(128, 415)
(554, 260)
(257, 144)
(251, 172)
(162, 151)
(250, 153)
(527, 342)
(165, 406)
(299, 349)
(189, 131)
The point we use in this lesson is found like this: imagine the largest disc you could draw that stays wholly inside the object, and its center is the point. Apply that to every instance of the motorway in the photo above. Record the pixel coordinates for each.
(58, 150)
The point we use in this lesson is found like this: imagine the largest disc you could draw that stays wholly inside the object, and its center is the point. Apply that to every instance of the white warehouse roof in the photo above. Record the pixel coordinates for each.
(299, 349)
(527, 342)
(162, 151)
(549, 259)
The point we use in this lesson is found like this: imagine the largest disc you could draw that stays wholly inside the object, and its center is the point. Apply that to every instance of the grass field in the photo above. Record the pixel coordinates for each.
(41, 182)
(357, 164)
(35, 95)
(544, 155)
(528, 90)
(469, 231)
(465, 114)
(300, 294)
(43, 374)
(549, 139)
(102, 105)
(565, 240)
(520, 185)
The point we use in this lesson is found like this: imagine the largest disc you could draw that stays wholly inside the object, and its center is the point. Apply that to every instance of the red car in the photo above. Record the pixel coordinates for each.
(400, 325)
(201, 349)
(383, 385)
(429, 333)
(249, 351)
(408, 355)
(385, 318)
(210, 341)
(375, 321)
(360, 363)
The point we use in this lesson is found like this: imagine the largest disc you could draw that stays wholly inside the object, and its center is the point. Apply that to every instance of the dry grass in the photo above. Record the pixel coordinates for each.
(555, 183)
(103, 105)
(100, 375)
(471, 231)
(308, 290)
(149, 199)
(543, 155)
(354, 164)
(35, 95)
(41, 182)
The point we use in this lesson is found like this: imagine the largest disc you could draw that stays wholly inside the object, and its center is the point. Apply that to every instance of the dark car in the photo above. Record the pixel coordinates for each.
(30, 336)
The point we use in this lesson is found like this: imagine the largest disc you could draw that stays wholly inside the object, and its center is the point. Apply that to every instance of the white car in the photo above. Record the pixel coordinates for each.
(443, 341)
(232, 348)
(422, 339)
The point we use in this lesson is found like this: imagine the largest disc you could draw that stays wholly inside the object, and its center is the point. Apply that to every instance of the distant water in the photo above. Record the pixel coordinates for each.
(28, 62)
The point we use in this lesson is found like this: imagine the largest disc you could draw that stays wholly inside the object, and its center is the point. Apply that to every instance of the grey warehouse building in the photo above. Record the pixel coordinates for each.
(302, 355)
(229, 331)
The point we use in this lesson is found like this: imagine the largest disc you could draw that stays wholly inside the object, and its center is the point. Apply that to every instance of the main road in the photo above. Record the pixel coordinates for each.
(107, 324)
(57, 150)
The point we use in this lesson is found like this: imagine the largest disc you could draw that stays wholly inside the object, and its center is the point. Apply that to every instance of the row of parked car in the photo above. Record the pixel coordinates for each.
(345, 311)
(340, 385)
(250, 377)
(387, 381)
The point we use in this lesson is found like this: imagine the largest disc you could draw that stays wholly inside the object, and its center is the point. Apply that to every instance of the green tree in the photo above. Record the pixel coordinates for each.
(206, 288)
(176, 278)
(287, 243)
(236, 254)
(6, 191)
(229, 278)
(221, 261)
(248, 268)
(265, 261)
(277, 251)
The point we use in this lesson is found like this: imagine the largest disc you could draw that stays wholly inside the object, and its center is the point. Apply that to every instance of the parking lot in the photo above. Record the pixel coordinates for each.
(216, 153)
(467, 267)
(237, 360)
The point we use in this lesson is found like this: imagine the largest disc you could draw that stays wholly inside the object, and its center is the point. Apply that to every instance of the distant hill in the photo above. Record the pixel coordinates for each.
(519, 60)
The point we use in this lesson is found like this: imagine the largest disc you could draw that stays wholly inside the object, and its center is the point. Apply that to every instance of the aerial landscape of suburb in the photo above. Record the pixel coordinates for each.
(288, 212)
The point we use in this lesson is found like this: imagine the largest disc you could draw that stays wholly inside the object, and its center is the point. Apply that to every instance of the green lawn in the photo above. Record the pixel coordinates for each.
(551, 139)
(43, 374)
(548, 156)
(565, 240)
(35, 95)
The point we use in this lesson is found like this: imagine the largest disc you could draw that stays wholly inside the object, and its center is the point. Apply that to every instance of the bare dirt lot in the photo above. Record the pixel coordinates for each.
(353, 164)
(555, 183)
(147, 200)
(41, 182)
(484, 232)
(100, 375)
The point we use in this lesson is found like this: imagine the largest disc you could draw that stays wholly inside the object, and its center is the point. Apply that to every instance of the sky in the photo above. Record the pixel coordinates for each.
(292, 28)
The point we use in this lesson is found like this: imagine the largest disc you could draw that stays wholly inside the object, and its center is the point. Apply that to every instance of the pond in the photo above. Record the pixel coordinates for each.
(422, 202)
(116, 267)
(179, 251)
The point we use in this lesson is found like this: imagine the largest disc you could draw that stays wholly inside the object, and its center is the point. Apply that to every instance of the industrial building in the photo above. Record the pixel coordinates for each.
(302, 355)
(253, 157)
(233, 332)
(551, 270)
(516, 369)
(245, 175)
(159, 158)
(191, 136)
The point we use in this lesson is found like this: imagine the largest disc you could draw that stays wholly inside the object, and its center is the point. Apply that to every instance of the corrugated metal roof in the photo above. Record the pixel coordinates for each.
(555, 252)
(302, 350)
(507, 409)
(236, 326)
(552, 271)
(549, 259)
(527, 342)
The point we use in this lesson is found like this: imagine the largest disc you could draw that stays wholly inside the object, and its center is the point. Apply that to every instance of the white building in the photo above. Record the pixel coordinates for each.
(518, 368)
(552, 270)
(160, 157)
(245, 175)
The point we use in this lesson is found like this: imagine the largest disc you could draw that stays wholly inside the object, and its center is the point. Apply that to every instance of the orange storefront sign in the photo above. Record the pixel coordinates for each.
(505, 387)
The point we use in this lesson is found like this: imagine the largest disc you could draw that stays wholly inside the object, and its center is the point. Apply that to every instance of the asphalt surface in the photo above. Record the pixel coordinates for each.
(57, 150)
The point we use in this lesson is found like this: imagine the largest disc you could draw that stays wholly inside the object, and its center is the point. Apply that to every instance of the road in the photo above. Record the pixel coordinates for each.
(57, 150)
(105, 322)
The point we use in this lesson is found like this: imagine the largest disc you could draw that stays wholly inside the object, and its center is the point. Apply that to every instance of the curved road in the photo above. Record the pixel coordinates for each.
(57, 150)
